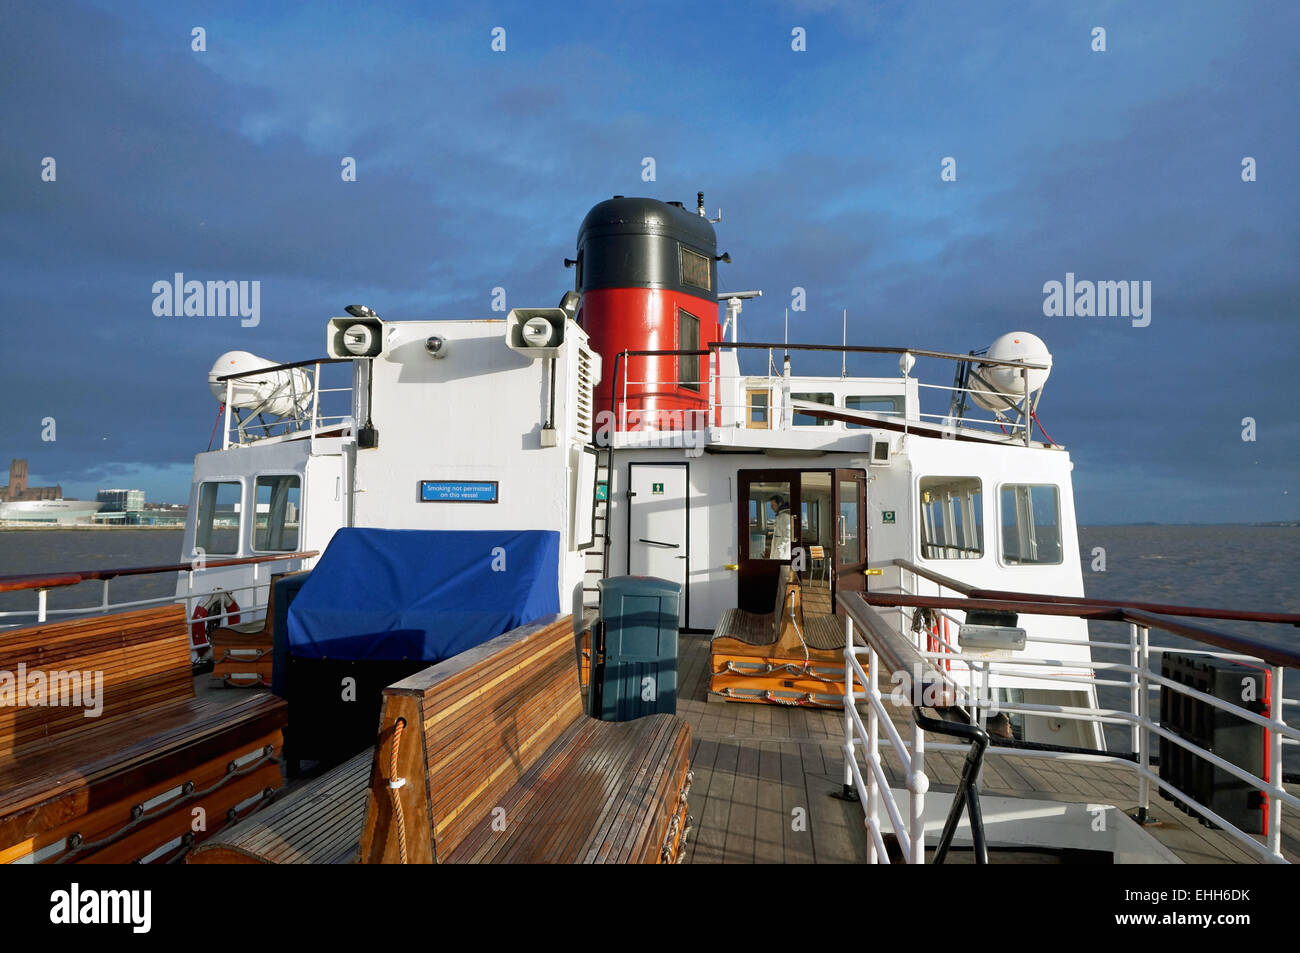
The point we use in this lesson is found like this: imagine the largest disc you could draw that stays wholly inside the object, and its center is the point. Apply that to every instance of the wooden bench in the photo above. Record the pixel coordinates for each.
(495, 763)
(319, 822)
(124, 786)
(783, 658)
(242, 654)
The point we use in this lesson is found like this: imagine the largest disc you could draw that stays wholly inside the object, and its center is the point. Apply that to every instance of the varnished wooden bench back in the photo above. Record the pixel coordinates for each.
(787, 588)
(144, 656)
(473, 725)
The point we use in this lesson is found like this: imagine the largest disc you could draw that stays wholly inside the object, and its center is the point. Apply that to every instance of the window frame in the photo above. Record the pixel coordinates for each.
(1060, 542)
(750, 394)
(808, 395)
(682, 359)
(898, 400)
(238, 481)
(919, 516)
(682, 272)
(252, 532)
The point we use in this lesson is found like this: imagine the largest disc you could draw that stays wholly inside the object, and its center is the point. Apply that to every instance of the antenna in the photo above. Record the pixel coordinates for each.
(787, 333)
(844, 354)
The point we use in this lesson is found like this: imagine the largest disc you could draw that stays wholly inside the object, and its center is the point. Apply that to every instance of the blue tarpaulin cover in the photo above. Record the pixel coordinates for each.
(387, 594)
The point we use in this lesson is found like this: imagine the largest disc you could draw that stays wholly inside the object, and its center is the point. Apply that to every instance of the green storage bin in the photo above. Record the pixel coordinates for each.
(639, 617)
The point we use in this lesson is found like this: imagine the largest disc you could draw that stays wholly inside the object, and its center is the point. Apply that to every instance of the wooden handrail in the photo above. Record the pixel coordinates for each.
(896, 653)
(27, 581)
(1231, 643)
(1201, 612)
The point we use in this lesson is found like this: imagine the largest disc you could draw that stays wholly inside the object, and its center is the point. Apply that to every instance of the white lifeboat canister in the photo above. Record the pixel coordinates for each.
(276, 393)
(1009, 382)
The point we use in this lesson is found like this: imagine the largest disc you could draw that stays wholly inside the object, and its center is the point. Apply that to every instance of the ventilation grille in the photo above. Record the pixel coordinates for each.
(585, 402)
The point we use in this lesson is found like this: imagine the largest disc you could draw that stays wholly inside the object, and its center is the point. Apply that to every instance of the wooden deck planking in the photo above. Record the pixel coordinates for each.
(757, 766)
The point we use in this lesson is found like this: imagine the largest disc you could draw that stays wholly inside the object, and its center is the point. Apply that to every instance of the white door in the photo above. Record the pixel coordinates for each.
(325, 501)
(657, 522)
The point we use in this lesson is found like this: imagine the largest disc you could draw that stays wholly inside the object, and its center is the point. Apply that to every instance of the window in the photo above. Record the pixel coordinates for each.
(1031, 525)
(688, 339)
(695, 269)
(217, 529)
(808, 420)
(758, 407)
(850, 545)
(275, 513)
(952, 518)
(770, 532)
(884, 406)
(815, 504)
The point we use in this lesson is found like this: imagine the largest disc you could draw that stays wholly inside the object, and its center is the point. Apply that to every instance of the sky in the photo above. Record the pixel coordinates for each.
(475, 166)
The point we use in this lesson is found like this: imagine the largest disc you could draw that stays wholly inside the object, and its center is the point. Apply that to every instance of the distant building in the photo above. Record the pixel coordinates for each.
(18, 491)
(121, 506)
(121, 501)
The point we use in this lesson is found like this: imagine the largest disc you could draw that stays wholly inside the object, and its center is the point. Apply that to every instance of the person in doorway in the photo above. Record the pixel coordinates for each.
(780, 546)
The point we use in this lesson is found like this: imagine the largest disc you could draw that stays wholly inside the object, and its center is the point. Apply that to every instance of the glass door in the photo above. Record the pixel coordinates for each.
(768, 533)
(850, 542)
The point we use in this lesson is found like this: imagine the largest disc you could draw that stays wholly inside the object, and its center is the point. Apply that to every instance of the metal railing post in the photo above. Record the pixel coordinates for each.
(850, 738)
(1144, 724)
(1134, 687)
(1029, 432)
(40, 604)
(225, 432)
(315, 405)
(873, 756)
(917, 785)
(1275, 765)
(104, 602)
(980, 706)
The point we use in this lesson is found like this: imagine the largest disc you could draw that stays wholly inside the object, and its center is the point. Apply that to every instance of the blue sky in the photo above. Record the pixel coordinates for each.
(474, 169)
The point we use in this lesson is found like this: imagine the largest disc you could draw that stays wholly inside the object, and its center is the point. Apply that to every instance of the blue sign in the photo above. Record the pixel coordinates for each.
(454, 491)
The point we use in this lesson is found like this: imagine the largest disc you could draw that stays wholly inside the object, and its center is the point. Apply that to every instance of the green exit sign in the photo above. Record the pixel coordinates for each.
(656, 489)
(602, 490)
(887, 516)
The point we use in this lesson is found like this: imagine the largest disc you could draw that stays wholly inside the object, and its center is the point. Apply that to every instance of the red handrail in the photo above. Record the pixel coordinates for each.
(28, 581)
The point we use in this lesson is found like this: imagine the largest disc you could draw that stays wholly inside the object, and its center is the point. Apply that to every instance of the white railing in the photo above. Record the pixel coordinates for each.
(874, 790)
(299, 392)
(1135, 675)
(194, 596)
(725, 401)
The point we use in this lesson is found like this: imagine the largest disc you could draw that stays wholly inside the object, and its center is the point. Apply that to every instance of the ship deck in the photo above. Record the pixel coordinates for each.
(756, 764)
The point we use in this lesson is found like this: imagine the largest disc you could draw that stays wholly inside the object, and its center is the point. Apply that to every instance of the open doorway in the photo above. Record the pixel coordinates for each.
(812, 520)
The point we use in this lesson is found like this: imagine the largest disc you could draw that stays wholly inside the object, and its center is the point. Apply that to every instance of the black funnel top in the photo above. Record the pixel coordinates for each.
(645, 243)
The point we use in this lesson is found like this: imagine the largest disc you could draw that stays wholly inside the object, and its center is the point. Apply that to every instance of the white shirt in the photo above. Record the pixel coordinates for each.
(781, 535)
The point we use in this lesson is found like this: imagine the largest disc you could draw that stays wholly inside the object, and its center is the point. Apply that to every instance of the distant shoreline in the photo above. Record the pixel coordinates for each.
(94, 527)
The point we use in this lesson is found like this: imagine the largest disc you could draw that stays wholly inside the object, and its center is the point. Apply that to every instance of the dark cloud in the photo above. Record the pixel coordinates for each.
(475, 169)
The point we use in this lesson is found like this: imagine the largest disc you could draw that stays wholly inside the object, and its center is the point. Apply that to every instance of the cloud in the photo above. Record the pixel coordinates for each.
(475, 168)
